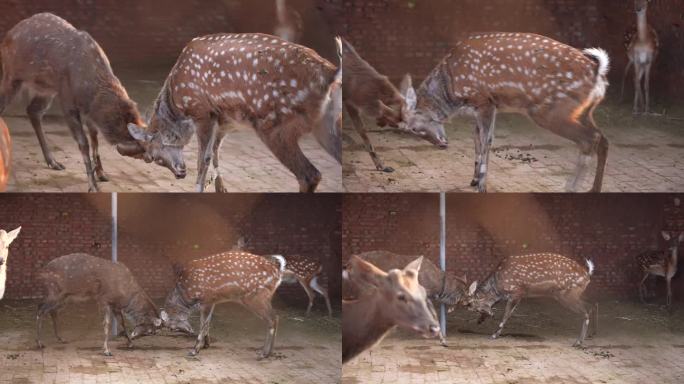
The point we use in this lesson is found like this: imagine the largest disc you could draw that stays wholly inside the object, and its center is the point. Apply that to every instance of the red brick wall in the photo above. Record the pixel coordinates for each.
(399, 36)
(157, 230)
(134, 32)
(609, 229)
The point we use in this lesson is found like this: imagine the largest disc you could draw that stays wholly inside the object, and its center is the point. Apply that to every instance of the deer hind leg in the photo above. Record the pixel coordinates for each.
(309, 293)
(99, 171)
(283, 141)
(35, 111)
(218, 180)
(8, 89)
(323, 291)
(624, 78)
(107, 325)
(260, 305)
(361, 130)
(511, 304)
(573, 302)
(668, 300)
(486, 120)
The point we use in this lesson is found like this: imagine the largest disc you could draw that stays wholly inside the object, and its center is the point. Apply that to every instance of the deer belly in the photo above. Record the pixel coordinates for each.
(657, 270)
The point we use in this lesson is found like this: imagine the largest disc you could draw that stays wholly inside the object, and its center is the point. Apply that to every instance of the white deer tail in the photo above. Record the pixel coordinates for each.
(281, 260)
(590, 266)
(601, 57)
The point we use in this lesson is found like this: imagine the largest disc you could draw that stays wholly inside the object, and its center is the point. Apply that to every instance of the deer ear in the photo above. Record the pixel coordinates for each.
(11, 235)
(139, 133)
(473, 288)
(414, 265)
(665, 235)
(164, 316)
(359, 270)
(157, 322)
(409, 93)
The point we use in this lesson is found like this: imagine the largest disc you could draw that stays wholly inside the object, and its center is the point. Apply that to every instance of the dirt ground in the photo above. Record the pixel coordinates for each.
(246, 163)
(307, 350)
(635, 344)
(645, 155)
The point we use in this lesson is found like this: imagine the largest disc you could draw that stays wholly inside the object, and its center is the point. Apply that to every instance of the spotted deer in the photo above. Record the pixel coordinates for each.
(367, 91)
(391, 299)
(535, 275)
(660, 263)
(49, 57)
(6, 238)
(232, 276)
(5, 155)
(555, 85)
(82, 277)
(289, 23)
(280, 89)
(642, 45)
(309, 274)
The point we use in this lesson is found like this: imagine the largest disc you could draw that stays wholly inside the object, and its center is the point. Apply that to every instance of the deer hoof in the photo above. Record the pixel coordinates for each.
(102, 177)
(262, 355)
(40, 345)
(61, 341)
(108, 353)
(474, 182)
(193, 353)
(56, 165)
(388, 169)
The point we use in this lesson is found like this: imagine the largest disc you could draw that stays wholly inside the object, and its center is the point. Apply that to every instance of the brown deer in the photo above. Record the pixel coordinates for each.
(282, 90)
(394, 298)
(309, 274)
(239, 277)
(535, 275)
(6, 238)
(5, 155)
(660, 263)
(367, 91)
(556, 85)
(49, 57)
(289, 23)
(641, 44)
(79, 277)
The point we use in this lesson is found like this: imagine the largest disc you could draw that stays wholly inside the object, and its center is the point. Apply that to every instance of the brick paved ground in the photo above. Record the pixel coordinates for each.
(635, 344)
(246, 164)
(306, 350)
(646, 155)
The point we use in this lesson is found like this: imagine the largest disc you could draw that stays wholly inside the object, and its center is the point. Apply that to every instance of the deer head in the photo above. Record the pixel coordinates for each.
(161, 145)
(145, 315)
(641, 6)
(672, 241)
(404, 300)
(6, 238)
(481, 300)
(422, 121)
(454, 289)
(176, 313)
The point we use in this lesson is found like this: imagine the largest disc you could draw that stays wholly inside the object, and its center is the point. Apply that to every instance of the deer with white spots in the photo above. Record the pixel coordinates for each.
(6, 238)
(388, 300)
(535, 275)
(555, 85)
(82, 277)
(49, 57)
(367, 91)
(282, 90)
(233, 276)
(641, 44)
(660, 263)
(309, 274)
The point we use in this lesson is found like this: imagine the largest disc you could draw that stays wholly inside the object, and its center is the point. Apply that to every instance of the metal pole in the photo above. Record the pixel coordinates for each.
(115, 255)
(442, 254)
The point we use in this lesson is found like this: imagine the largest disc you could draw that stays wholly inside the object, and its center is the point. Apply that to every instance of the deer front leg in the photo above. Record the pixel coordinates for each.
(205, 320)
(624, 78)
(107, 325)
(206, 137)
(99, 170)
(35, 111)
(642, 288)
(123, 325)
(511, 304)
(647, 86)
(486, 120)
(55, 327)
(668, 300)
(478, 156)
(361, 130)
(47, 307)
(638, 75)
(73, 120)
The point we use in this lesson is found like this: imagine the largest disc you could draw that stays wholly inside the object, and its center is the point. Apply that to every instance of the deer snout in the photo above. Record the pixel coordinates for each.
(179, 171)
(435, 331)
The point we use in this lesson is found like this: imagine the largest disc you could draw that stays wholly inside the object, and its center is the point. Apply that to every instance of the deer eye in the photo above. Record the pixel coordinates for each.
(402, 297)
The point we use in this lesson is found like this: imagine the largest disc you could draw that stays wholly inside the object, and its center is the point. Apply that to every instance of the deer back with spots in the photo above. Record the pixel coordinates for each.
(662, 262)
(47, 56)
(534, 275)
(556, 85)
(82, 277)
(309, 274)
(234, 276)
(281, 89)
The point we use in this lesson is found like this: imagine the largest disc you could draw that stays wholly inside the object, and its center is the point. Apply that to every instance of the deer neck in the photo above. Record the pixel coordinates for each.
(642, 26)
(364, 324)
(434, 94)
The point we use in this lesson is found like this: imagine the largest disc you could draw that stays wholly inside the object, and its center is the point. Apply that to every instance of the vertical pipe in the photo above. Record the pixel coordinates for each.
(115, 255)
(442, 253)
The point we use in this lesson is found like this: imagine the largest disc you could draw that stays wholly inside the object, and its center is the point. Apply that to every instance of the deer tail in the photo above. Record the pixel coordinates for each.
(281, 260)
(590, 266)
(601, 58)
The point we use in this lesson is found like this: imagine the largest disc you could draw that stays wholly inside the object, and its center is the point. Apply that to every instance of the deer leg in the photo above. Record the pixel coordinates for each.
(668, 301)
(284, 143)
(642, 287)
(218, 181)
(55, 327)
(638, 93)
(205, 319)
(486, 120)
(8, 90)
(35, 111)
(107, 325)
(596, 315)
(73, 120)
(323, 291)
(511, 304)
(99, 171)
(647, 86)
(47, 307)
(361, 130)
(573, 302)
(309, 293)
(123, 325)
(207, 131)
(624, 78)
(260, 305)
(478, 156)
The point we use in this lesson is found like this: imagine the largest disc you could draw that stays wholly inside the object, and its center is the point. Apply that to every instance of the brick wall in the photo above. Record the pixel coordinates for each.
(157, 230)
(609, 229)
(399, 36)
(135, 32)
